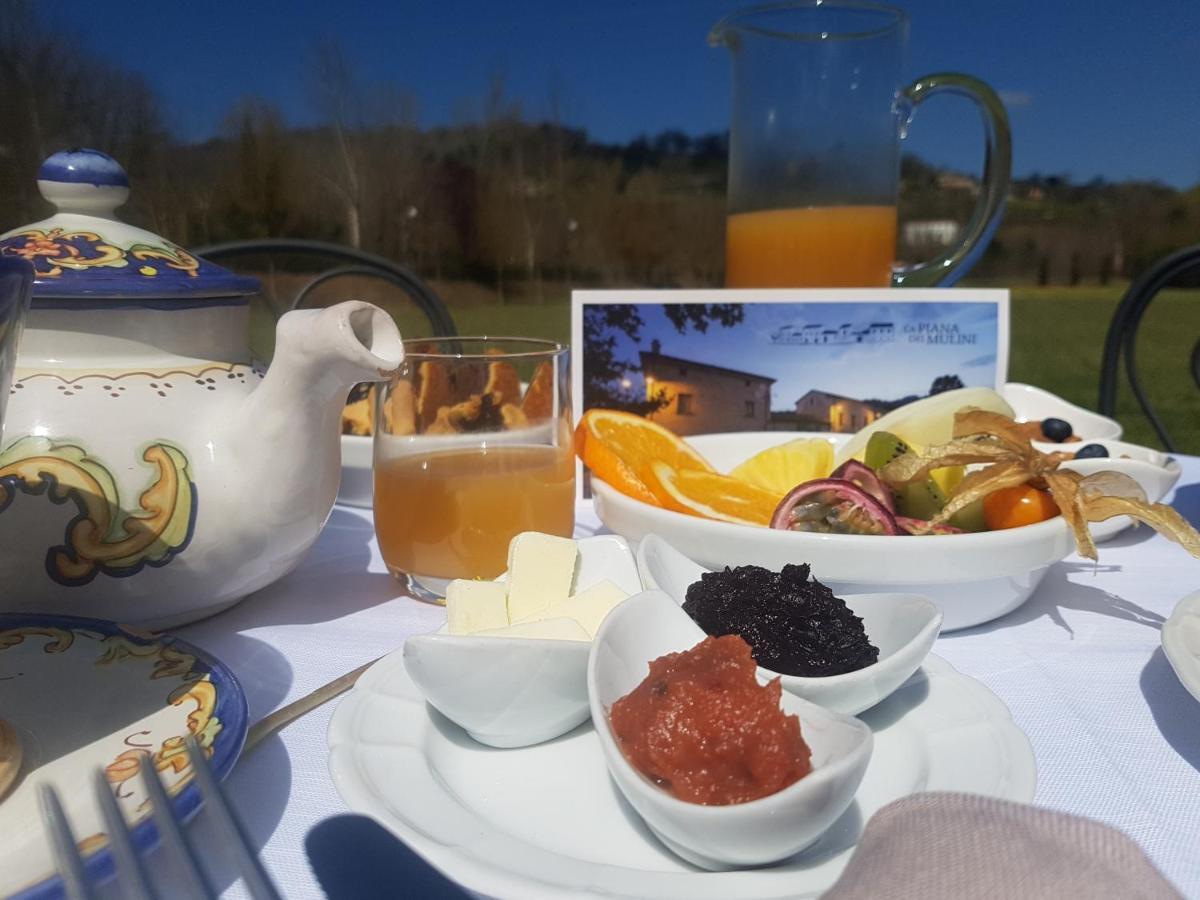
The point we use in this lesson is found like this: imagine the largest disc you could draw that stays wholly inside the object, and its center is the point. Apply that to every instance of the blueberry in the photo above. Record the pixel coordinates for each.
(1091, 451)
(1056, 430)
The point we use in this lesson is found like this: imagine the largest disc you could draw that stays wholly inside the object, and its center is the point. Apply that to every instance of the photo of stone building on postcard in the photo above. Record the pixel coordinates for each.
(837, 413)
(703, 398)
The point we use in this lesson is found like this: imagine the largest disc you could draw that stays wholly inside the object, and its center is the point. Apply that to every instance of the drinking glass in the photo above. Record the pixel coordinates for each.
(16, 282)
(472, 446)
(819, 110)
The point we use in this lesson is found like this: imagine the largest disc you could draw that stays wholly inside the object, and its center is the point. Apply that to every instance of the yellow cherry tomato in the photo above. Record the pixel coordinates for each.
(1016, 506)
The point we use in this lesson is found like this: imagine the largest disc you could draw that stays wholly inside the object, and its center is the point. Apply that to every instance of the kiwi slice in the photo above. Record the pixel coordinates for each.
(970, 517)
(920, 499)
(882, 448)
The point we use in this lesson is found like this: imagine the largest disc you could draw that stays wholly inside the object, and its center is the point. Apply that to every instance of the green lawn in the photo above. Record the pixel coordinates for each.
(1057, 338)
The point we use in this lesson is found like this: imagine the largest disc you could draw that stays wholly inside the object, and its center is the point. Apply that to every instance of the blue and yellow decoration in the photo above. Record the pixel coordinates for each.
(104, 538)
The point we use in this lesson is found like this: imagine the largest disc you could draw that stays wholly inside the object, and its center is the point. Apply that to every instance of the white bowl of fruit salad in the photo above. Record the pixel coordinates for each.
(825, 505)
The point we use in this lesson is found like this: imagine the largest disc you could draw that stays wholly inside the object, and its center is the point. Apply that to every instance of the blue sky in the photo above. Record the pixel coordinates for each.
(1094, 87)
(886, 371)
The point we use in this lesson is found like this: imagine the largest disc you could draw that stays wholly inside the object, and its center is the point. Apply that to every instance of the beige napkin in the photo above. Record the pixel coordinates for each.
(943, 846)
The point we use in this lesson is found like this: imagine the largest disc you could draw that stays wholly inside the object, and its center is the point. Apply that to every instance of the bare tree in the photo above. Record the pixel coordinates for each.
(335, 98)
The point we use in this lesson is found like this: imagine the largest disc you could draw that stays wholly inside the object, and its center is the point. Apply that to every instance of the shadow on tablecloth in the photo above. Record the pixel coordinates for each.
(1057, 592)
(1130, 537)
(1175, 711)
(1186, 501)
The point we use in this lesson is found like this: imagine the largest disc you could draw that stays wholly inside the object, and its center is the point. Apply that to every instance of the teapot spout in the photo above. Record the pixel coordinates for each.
(325, 352)
(286, 436)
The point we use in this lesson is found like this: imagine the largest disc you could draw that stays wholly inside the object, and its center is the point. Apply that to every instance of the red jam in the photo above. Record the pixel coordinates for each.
(702, 727)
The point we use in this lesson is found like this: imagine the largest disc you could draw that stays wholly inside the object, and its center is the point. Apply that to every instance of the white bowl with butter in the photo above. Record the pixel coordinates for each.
(519, 676)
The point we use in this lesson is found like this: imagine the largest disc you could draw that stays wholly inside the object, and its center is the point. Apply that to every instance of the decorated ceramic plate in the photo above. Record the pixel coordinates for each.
(547, 822)
(84, 694)
(1181, 642)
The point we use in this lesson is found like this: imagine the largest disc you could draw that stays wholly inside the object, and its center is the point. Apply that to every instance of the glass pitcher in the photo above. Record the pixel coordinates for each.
(819, 110)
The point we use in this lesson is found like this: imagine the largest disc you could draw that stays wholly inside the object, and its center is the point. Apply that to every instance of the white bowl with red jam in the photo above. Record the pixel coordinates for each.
(812, 782)
(901, 627)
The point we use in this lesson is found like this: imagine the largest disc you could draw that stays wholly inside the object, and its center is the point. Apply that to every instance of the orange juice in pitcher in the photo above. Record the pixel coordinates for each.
(817, 246)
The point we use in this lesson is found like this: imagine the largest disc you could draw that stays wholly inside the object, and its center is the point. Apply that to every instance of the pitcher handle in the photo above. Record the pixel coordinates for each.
(946, 269)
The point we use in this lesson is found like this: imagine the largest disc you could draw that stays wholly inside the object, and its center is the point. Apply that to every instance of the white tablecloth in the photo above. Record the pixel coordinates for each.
(1117, 737)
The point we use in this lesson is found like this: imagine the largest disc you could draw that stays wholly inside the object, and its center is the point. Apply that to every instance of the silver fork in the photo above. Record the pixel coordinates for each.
(132, 874)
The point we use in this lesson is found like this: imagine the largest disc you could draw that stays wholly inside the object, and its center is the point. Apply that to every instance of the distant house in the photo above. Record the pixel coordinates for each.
(706, 398)
(931, 232)
(842, 413)
(953, 181)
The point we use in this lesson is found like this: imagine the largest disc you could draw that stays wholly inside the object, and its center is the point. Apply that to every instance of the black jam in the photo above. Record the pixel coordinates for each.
(794, 625)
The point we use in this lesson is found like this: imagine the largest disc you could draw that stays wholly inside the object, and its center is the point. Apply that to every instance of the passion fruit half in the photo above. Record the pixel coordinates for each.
(864, 477)
(833, 506)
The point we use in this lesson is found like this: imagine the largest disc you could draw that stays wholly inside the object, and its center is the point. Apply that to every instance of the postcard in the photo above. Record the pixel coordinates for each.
(708, 361)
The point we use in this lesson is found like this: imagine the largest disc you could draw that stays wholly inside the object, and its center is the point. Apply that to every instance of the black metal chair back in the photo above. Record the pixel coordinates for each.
(348, 261)
(1122, 337)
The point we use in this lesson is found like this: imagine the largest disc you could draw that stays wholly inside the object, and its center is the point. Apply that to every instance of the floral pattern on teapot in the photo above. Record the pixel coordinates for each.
(104, 538)
(53, 250)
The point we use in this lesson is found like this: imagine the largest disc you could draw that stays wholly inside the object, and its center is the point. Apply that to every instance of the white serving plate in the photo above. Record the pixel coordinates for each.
(902, 626)
(513, 692)
(1181, 642)
(546, 822)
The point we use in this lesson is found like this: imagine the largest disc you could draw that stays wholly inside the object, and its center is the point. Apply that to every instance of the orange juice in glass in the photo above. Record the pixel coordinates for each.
(819, 109)
(472, 446)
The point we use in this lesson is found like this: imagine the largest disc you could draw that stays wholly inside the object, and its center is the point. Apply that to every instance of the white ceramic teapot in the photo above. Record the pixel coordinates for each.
(149, 472)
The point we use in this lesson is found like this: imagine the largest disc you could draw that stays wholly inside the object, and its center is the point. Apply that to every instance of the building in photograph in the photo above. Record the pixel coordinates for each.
(838, 412)
(813, 335)
(706, 398)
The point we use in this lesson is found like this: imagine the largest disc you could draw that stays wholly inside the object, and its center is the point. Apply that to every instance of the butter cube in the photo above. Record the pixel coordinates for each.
(589, 607)
(561, 629)
(473, 606)
(541, 570)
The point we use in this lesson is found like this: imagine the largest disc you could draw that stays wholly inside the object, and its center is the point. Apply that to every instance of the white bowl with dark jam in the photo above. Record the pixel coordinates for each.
(902, 627)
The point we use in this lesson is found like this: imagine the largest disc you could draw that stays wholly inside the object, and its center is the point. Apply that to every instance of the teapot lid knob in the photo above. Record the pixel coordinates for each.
(83, 181)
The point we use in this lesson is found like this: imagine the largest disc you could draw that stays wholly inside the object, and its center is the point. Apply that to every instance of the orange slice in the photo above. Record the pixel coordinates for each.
(608, 467)
(712, 495)
(639, 442)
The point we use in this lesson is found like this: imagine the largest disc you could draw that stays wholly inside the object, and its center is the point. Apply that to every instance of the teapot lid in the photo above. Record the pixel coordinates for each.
(84, 252)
